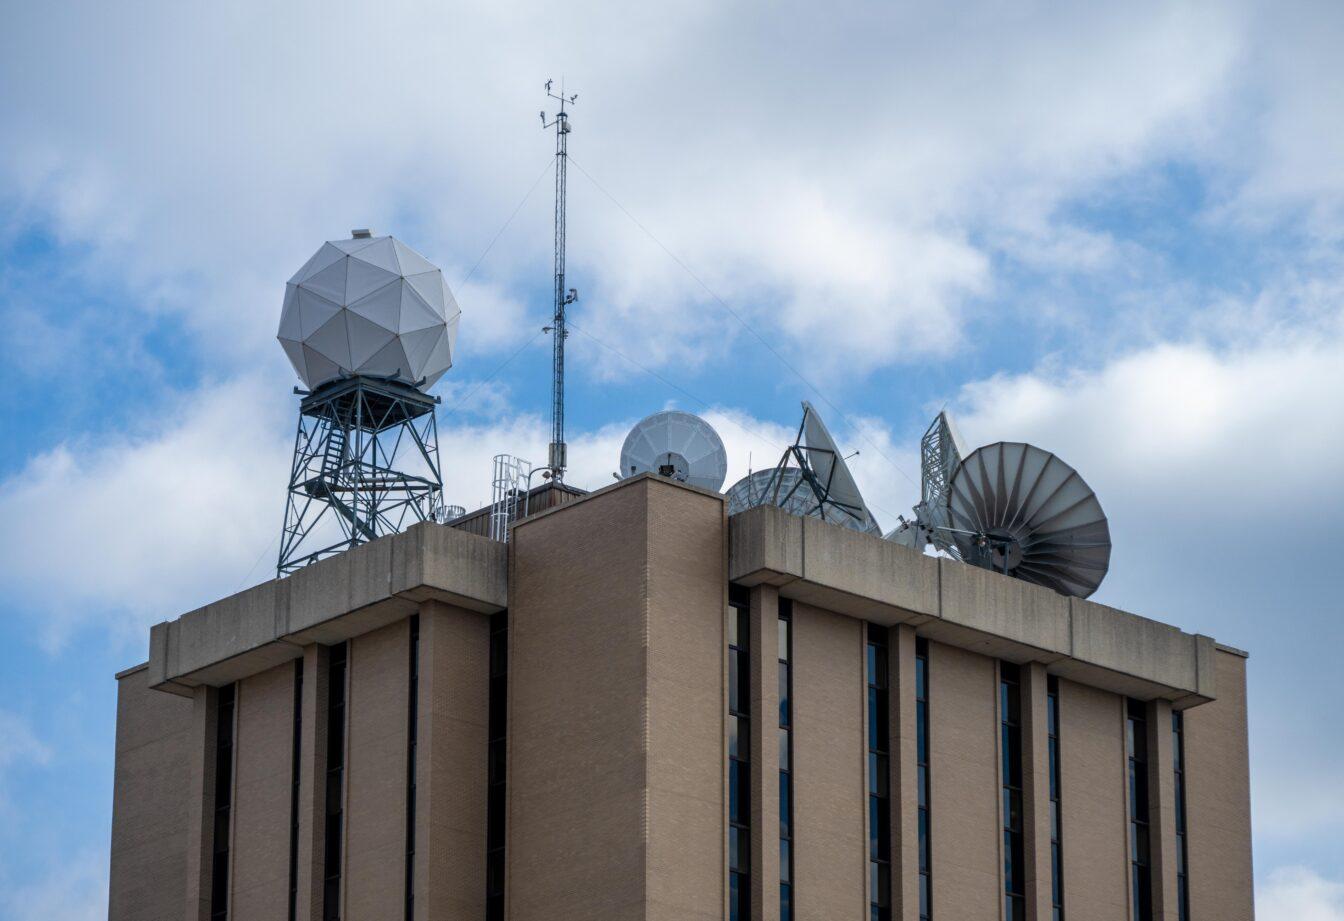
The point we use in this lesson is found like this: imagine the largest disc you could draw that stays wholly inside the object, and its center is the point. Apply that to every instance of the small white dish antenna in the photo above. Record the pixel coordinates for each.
(677, 445)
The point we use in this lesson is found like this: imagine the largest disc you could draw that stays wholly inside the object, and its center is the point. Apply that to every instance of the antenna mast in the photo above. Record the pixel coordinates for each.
(563, 296)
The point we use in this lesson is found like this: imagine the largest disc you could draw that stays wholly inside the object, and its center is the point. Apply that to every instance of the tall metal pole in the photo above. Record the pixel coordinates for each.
(563, 296)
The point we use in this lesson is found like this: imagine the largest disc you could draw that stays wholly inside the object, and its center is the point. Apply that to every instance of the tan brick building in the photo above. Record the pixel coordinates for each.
(640, 708)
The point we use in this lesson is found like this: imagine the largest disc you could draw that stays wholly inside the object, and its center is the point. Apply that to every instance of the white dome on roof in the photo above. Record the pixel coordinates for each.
(369, 305)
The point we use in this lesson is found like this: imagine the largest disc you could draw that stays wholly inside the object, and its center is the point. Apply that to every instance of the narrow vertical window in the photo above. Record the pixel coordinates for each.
(1136, 747)
(1182, 867)
(295, 772)
(1056, 838)
(879, 777)
(497, 776)
(739, 758)
(785, 760)
(922, 778)
(219, 862)
(335, 794)
(412, 723)
(1010, 752)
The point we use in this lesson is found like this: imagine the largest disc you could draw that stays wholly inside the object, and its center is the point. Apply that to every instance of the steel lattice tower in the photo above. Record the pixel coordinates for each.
(563, 297)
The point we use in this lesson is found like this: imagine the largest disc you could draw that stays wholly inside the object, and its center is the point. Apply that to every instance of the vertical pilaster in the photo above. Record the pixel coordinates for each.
(201, 802)
(764, 772)
(904, 775)
(451, 756)
(1036, 790)
(312, 784)
(1162, 818)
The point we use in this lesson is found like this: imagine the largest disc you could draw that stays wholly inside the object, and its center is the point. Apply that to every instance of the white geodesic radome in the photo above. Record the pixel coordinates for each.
(369, 305)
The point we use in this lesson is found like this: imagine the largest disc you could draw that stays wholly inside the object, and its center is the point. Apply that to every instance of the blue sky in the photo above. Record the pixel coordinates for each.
(1113, 233)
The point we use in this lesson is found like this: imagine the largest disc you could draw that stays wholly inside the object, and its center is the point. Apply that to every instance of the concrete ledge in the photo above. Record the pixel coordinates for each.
(950, 602)
(328, 602)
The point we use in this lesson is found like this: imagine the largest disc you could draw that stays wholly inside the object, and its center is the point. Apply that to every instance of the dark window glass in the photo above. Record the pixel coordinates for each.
(1178, 762)
(739, 753)
(1010, 750)
(1056, 848)
(879, 800)
(336, 681)
(922, 759)
(1136, 744)
(219, 863)
(785, 651)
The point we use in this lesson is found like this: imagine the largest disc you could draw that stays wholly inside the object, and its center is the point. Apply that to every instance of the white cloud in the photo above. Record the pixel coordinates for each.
(1299, 894)
(845, 179)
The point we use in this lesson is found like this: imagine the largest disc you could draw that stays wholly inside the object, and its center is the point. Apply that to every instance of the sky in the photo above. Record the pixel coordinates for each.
(1112, 230)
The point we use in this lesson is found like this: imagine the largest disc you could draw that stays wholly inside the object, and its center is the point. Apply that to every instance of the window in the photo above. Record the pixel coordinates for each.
(1010, 753)
(496, 760)
(785, 760)
(739, 757)
(331, 863)
(922, 778)
(1136, 747)
(219, 864)
(295, 772)
(412, 731)
(879, 777)
(1182, 866)
(1056, 838)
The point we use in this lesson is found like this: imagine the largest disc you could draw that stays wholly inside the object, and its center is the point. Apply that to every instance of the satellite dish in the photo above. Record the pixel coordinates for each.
(818, 484)
(369, 306)
(941, 451)
(1022, 511)
(678, 445)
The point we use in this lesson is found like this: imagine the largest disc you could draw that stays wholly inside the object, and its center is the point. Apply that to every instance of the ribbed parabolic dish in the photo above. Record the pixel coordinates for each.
(370, 306)
(677, 445)
(1029, 515)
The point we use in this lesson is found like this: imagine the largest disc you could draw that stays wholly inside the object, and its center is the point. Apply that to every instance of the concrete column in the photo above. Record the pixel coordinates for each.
(1036, 790)
(764, 654)
(904, 775)
(373, 882)
(312, 784)
(451, 752)
(1162, 811)
(263, 786)
(201, 802)
(966, 827)
(1218, 798)
(830, 750)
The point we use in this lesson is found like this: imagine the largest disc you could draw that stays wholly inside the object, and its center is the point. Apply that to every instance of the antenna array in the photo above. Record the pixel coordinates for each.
(563, 296)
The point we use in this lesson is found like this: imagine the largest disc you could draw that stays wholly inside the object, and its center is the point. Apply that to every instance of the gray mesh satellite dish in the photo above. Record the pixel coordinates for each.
(811, 479)
(369, 306)
(1022, 511)
(677, 445)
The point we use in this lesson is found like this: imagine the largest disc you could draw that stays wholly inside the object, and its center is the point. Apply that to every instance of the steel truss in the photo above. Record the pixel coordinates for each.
(366, 464)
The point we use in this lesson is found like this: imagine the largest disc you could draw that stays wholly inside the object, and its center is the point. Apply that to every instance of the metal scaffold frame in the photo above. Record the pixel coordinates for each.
(366, 464)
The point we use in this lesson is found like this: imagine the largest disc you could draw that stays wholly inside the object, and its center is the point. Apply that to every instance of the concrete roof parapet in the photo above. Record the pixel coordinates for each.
(329, 601)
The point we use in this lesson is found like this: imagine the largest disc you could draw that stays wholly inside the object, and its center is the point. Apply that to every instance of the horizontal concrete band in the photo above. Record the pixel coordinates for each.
(829, 567)
(878, 580)
(331, 601)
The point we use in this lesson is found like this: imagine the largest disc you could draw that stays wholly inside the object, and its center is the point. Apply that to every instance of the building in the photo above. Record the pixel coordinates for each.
(639, 708)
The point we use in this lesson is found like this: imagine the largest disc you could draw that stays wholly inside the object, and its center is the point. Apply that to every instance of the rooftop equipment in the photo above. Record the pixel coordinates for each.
(369, 326)
(678, 445)
(556, 454)
(811, 479)
(1011, 507)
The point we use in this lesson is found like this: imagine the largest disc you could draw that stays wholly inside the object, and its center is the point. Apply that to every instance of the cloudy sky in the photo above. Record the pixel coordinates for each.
(1116, 231)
